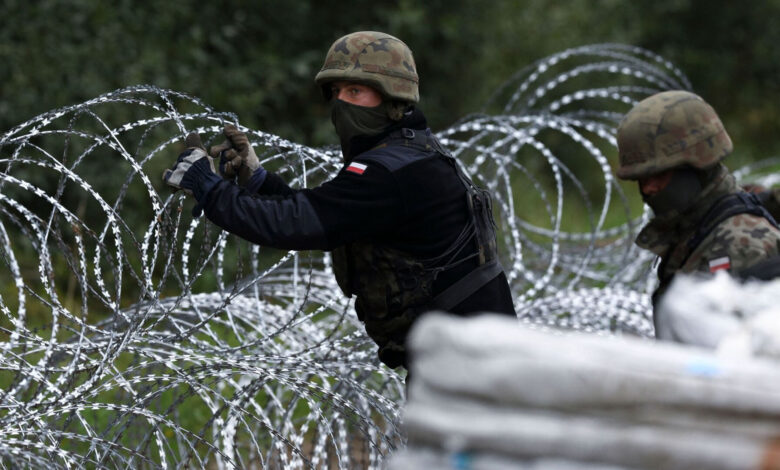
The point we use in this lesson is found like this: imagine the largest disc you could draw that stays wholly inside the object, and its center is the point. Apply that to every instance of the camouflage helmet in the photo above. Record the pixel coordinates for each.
(376, 59)
(667, 130)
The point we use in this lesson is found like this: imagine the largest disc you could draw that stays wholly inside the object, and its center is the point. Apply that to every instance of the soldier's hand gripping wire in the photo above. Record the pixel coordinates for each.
(193, 172)
(238, 160)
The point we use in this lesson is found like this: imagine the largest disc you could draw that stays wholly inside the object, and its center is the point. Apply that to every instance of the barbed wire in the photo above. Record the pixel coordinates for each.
(136, 336)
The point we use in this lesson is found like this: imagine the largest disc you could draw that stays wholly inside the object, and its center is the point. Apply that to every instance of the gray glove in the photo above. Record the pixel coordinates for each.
(236, 156)
(193, 172)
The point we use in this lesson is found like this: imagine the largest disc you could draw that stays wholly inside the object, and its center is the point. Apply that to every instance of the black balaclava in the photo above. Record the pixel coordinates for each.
(680, 193)
(352, 121)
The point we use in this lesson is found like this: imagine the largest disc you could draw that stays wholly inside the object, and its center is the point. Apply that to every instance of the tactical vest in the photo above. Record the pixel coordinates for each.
(725, 207)
(393, 288)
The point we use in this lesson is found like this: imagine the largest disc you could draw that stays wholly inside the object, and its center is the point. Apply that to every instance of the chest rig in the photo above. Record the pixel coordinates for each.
(393, 288)
(724, 208)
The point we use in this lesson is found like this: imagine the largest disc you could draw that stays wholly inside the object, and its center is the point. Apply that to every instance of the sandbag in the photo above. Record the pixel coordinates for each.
(490, 386)
(423, 458)
(740, 319)
(497, 359)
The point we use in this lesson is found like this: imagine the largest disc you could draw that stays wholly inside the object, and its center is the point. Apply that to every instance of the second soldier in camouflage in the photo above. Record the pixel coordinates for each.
(672, 144)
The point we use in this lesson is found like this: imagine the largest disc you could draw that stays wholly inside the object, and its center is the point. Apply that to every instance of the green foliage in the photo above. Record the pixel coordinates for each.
(258, 59)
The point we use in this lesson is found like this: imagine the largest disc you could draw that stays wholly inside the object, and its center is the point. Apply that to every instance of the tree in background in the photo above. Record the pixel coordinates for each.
(258, 59)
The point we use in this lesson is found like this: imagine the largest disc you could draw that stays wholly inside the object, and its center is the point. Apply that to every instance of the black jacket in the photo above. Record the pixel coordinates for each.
(413, 202)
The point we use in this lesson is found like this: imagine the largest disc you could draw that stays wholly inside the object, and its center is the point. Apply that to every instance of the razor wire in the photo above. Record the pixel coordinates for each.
(134, 335)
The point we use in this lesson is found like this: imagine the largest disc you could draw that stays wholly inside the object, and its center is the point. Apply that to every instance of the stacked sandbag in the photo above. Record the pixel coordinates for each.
(739, 319)
(428, 459)
(490, 388)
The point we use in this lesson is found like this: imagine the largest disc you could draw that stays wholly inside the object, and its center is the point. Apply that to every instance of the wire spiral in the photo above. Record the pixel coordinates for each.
(134, 335)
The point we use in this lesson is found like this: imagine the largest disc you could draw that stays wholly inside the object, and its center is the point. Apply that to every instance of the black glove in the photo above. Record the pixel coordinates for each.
(193, 172)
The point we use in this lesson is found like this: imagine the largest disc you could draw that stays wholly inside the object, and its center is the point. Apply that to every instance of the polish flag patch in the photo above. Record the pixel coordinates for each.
(358, 168)
(724, 262)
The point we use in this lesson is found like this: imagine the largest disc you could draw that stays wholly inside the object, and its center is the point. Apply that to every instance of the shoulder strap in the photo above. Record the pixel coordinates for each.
(466, 286)
(765, 270)
(424, 140)
(393, 151)
(417, 138)
(725, 207)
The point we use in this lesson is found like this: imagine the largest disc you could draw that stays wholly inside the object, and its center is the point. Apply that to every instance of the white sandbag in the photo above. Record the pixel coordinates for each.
(695, 419)
(706, 311)
(491, 385)
(527, 434)
(422, 458)
(496, 359)
(758, 336)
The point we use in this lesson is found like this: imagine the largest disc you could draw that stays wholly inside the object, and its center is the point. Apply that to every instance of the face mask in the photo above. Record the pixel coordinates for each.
(351, 121)
(679, 194)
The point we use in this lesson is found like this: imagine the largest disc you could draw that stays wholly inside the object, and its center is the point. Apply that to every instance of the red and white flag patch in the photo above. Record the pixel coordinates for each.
(358, 168)
(724, 262)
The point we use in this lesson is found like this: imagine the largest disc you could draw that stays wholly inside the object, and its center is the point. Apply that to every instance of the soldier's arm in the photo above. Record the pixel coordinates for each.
(274, 185)
(350, 207)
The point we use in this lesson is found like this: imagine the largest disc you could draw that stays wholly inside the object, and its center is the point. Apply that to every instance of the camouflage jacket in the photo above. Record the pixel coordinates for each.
(735, 244)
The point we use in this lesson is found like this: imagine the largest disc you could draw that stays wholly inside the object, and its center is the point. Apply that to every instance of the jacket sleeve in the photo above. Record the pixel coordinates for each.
(350, 207)
(275, 185)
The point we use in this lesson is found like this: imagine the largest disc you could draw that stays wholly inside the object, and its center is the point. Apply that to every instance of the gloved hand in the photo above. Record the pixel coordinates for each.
(193, 172)
(237, 158)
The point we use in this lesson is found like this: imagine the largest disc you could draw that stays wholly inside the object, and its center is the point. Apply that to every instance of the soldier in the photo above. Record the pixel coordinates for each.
(672, 144)
(408, 231)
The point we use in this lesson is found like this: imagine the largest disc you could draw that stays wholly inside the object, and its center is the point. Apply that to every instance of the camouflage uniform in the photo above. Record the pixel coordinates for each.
(744, 239)
(675, 130)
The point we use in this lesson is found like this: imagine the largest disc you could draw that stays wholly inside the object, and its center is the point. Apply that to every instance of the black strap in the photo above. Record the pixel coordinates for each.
(466, 286)
(725, 207)
(417, 138)
(421, 140)
(765, 270)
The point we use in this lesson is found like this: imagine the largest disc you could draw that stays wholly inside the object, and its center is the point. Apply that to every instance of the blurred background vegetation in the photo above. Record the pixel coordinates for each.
(258, 58)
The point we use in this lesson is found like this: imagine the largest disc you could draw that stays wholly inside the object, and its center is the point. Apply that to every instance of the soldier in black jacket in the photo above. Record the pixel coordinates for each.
(408, 231)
